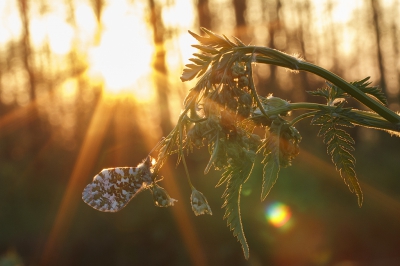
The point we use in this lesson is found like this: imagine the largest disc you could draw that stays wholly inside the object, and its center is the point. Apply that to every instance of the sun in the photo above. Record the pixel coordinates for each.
(121, 60)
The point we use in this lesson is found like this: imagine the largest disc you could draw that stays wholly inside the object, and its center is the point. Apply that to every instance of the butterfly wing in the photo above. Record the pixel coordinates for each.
(113, 188)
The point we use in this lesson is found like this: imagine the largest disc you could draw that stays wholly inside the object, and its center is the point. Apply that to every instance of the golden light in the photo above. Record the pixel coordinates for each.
(122, 59)
(52, 28)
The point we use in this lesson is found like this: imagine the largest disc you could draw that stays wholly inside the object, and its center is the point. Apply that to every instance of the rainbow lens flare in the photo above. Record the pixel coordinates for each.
(278, 214)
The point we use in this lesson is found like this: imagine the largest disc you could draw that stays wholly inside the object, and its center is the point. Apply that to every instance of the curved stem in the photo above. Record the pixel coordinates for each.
(253, 90)
(352, 90)
(301, 117)
(182, 155)
(275, 57)
(361, 118)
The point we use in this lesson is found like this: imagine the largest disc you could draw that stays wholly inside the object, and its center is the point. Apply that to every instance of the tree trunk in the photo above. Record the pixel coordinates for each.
(26, 46)
(160, 67)
(273, 26)
(203, 12)
(240, 11)
(375, 20)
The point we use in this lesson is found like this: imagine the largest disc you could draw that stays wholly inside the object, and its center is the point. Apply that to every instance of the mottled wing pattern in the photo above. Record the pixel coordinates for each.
(113, 188)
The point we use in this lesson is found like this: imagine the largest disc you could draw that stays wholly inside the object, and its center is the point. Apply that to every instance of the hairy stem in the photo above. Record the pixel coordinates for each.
(364, 118)
(275, 57)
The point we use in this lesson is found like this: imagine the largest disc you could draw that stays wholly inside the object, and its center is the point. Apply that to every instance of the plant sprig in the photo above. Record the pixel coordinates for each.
(223, 109)
(224, 70)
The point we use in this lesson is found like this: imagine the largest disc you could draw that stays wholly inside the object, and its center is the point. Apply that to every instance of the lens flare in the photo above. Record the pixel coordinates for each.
(278, 214)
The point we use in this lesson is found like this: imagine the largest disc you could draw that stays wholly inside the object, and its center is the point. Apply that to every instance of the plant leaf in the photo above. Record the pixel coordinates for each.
(206, 49)
(217, 40)
(270, 174)
(331, 93)
(373, 91)
(271, 159)
(189, 74)
(235, 176)
(339, 145)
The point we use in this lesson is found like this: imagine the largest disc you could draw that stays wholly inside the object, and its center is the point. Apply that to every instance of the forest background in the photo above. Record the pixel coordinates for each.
(93, 84)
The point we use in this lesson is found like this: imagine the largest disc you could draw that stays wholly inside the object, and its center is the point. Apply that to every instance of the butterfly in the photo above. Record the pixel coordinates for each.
(113, 188)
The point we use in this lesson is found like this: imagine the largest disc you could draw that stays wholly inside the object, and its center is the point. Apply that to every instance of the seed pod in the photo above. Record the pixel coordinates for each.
(161, 197)
(245, 99)
(199, 203)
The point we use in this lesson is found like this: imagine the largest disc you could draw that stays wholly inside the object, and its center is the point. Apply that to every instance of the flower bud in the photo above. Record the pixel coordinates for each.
(199, 203)
(161, 197)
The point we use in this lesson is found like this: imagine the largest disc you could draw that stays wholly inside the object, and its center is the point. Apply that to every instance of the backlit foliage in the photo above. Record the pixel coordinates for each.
(222, 111)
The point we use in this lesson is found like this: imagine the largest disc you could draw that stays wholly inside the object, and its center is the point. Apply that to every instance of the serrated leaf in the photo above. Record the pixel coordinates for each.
(197, 61)
(193, 66)
(339, 145)
(217, 39)
(212, 39)
(373, 91)
(351, 181)
(229, 41)
(206, 49)
(189, 73)
(222, 180)
(203, 57)
(319, 118)
(239, 42)
(344, 123)
(324, 129)
(320, 92)
(201, 39)
(333, 94)
(235, 176)
(344, 136)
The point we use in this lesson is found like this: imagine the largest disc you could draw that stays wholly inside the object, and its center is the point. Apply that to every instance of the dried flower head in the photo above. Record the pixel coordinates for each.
(161, 197)
(199, 203)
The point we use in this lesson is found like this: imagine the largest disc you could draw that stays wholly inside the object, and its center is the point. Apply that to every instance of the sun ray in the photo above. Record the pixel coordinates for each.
(18, 117)
(83, 165)
(179, 211)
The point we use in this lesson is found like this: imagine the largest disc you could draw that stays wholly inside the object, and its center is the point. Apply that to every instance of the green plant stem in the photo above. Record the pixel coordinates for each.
(275, 57)
(301, 117)
(181, 154)
(254, 91)
(365, 118)
(352, 90)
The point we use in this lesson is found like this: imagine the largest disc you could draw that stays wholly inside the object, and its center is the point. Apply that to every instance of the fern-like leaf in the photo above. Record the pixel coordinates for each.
(373, 91)
(212, 39)
(191, 71)
(235, 176)
(331, 93)
(339, 145)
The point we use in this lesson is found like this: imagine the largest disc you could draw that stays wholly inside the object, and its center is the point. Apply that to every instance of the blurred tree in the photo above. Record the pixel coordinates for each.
(203, 13)
(274, 25)
(26, 46)
(240, 7)
(32, 136)
(376, 10)
(332, 40)
(160, 66)
(396, 53)
(98, 6)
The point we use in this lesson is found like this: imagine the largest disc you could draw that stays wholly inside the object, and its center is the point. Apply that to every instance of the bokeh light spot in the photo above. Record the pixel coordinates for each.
(278, 214)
